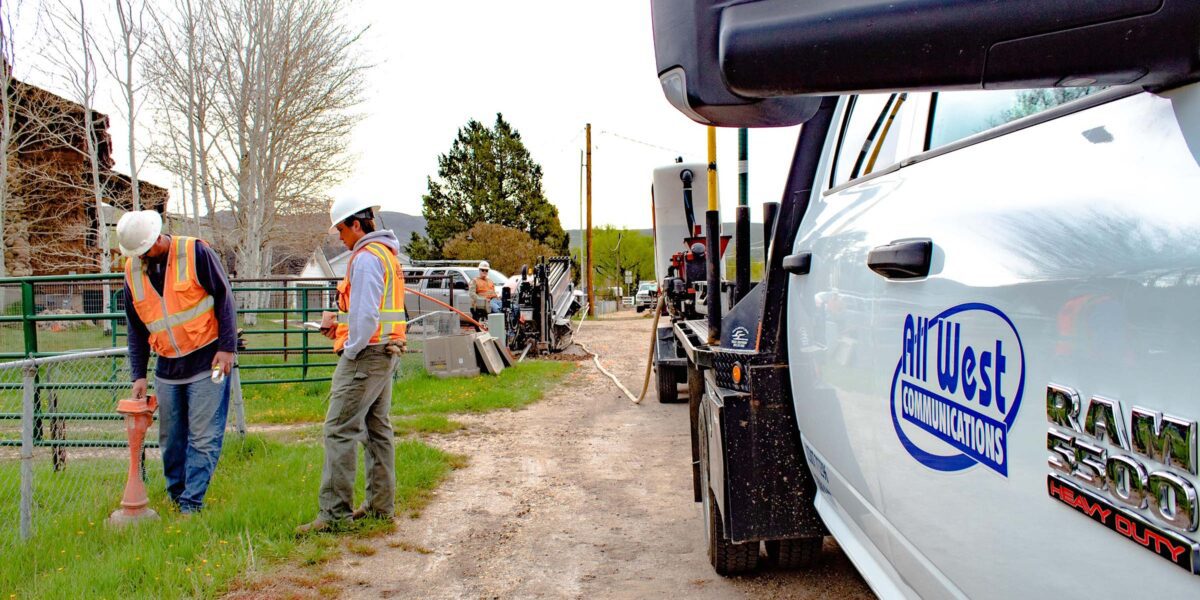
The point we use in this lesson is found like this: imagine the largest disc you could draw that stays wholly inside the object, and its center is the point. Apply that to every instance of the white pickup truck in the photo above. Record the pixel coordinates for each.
(981, 310)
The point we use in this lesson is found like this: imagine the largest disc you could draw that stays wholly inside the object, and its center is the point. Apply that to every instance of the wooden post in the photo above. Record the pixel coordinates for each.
(591, 292)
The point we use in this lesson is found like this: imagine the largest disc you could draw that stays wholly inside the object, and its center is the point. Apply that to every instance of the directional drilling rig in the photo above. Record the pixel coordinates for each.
(538, 316)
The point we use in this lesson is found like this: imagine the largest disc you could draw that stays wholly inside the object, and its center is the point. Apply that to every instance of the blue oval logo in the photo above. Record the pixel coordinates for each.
(958, 387)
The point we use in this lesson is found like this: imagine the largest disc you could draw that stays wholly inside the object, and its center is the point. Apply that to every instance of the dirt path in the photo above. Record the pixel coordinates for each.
(581, 495)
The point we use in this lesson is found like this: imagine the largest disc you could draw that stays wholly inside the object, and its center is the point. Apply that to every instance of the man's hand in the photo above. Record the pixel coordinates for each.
(139, 389)
(225, 360)
(329, 324)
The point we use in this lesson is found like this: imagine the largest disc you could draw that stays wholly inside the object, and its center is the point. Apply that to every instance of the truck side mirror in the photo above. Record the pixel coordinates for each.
(460, 285)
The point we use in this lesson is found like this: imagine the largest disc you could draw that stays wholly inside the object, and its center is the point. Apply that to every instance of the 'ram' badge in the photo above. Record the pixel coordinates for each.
(957, 387)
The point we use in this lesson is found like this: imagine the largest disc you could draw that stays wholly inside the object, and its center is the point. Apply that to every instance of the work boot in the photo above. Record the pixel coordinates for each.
(364, 512)
(317, 525)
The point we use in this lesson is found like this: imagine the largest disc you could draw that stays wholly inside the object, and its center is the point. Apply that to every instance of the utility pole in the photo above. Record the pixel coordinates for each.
(582, 256)
(591, 292)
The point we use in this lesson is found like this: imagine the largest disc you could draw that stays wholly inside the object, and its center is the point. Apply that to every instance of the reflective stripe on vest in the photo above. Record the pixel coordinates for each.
(182, 319)
(392, 318)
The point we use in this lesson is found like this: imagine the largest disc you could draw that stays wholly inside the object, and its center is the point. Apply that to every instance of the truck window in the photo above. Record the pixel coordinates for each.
(864, 130)
(956, 115)
(435, 284)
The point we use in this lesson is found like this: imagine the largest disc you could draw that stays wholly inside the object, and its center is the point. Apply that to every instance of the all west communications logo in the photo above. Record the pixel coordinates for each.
(957, 387)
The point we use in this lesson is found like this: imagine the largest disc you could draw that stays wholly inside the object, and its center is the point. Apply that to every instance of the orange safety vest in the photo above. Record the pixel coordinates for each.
(181, 320)
(391, 306)
(484, 285)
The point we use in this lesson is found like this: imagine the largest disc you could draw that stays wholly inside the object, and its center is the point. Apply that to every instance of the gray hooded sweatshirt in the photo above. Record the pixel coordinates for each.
(366, 285)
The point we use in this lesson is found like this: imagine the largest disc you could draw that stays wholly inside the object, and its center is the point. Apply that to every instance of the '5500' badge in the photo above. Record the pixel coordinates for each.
(958, 387)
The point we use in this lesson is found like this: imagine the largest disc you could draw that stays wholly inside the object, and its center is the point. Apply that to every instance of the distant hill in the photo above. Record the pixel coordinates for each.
(402, 224)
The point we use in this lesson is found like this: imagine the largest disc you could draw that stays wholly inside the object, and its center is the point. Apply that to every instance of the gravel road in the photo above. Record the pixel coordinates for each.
(583, 494)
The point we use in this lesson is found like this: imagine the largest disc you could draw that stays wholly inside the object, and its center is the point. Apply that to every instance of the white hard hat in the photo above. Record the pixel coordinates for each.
(137, 231)
(343, 208)
(484, 265)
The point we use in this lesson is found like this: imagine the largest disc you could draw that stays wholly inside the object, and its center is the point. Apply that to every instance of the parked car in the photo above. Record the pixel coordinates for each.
(646, 296)
(446, 284)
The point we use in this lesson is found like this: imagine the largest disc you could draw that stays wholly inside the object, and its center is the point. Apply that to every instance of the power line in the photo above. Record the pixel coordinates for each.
(626, 138)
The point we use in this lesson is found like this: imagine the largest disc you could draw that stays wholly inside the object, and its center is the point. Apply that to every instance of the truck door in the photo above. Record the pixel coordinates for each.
(435, 287)
(462, 293)
(975, 427)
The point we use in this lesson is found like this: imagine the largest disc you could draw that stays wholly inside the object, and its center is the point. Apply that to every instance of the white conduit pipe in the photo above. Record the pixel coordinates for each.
(649, 359)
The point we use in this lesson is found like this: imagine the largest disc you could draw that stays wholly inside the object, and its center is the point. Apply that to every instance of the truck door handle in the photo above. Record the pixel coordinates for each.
(902, 259)
(798, 264)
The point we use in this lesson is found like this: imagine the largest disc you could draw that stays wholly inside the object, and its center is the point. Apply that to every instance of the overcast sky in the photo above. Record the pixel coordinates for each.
(549, 66)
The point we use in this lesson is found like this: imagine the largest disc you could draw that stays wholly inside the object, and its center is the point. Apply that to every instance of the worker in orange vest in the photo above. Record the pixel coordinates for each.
(178, 304)
(368, 330)
(484, 298)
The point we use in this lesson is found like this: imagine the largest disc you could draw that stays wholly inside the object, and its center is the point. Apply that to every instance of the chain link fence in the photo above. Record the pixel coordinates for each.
(63, 450)
(63, 447)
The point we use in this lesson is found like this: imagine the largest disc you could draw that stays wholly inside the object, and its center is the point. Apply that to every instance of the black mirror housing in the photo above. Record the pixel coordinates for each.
(753, 62)
(685, 48)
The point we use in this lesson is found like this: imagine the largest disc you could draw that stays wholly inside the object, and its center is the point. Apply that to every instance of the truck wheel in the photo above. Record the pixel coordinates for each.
(640, 309)
(668, 385)
(794, 554)
(727, 558)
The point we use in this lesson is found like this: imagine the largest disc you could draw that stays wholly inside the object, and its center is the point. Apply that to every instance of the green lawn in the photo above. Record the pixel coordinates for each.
(261, 491)
(416, 395)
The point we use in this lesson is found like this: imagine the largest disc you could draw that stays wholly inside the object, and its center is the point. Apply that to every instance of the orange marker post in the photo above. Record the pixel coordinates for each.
(139, 414)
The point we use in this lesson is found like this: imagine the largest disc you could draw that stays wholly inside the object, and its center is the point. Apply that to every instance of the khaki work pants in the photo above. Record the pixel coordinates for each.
(360, 399)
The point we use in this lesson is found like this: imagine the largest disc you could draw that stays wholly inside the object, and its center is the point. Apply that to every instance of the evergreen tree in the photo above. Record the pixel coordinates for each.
(488, 176)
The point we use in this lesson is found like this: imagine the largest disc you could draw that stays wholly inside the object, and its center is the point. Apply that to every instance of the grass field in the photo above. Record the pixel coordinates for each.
(261, 491)
(417, 395)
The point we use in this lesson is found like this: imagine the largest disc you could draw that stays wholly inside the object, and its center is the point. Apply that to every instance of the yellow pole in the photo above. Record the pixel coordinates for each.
(712, 168)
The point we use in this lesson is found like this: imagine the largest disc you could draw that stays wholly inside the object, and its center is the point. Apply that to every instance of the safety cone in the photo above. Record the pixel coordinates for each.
(139, 414)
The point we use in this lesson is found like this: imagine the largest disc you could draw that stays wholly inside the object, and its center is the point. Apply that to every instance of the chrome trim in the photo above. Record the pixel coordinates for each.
(1062, 406)
(1061, 445)
(1103, 420)
(1127, 480)
(1179, 509)
(1090, 456)
(1168, 439)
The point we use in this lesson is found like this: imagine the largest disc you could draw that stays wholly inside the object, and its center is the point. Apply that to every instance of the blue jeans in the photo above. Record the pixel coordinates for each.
(495, 305)
(191, 427)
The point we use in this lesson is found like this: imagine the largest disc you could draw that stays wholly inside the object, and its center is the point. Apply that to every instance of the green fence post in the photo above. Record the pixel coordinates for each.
(28, 311)
(304, 336)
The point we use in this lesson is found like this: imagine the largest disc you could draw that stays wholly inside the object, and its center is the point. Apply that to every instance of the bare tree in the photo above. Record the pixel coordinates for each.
(73, 53)
(257, 96)
(181, 63)
(122, 62)
(287, 81)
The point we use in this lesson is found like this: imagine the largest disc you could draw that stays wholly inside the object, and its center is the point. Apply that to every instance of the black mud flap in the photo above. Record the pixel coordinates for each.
(666, 350)
(763, 483)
